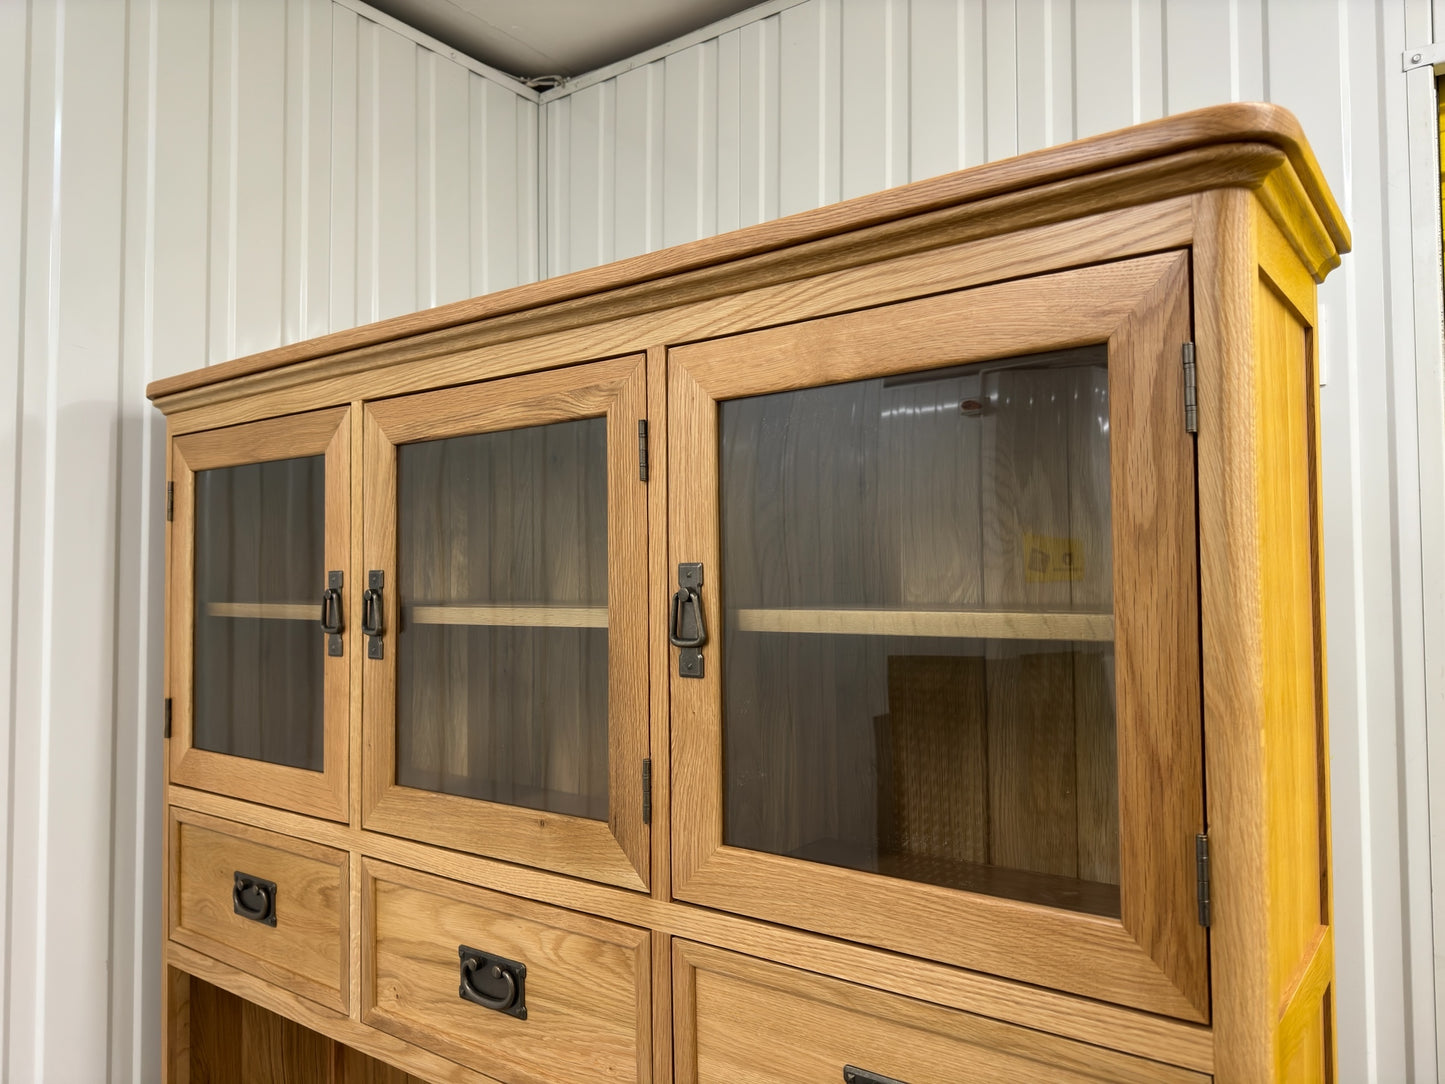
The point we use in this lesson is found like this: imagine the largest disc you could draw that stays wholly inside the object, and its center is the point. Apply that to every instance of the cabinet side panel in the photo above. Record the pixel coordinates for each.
(1293, 729)
(1307, 1057)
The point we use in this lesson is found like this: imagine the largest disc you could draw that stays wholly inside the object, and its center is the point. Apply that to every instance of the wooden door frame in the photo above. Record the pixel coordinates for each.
(616, 851)
(1155, 956)
(323, 432)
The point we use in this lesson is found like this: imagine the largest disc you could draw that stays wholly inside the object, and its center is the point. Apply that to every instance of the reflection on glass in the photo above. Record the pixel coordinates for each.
(502, 657)
(260, 556)
(918, 642)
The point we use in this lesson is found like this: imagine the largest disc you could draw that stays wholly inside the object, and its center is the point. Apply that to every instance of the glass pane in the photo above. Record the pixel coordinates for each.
(502, 657)
(260, 571)
(918, 638)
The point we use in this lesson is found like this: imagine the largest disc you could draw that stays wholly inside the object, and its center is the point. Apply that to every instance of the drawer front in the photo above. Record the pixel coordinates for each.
(738, 1018)
(583, 1008)
(265, 903)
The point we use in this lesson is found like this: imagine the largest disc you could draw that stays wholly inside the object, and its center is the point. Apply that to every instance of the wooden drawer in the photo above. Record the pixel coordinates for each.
(586, 985)
(305, 950)
(740, 1019)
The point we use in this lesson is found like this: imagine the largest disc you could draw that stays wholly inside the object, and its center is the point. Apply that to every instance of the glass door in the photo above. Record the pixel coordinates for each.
(505, 704)
(947, 699)
(260, 551)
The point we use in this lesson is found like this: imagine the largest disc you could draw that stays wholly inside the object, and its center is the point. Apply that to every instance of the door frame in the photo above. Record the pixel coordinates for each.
(1155, 956)
(615, 851)
(322, 432)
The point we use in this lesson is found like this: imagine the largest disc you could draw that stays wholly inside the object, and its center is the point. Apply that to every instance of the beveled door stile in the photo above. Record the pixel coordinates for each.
(506, 536)
(265, 483)
(1119, 922)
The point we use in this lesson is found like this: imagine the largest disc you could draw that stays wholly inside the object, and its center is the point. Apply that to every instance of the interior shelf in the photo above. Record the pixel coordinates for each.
(965, 624)
(1049, 890)
(556, 615)
(277, 611)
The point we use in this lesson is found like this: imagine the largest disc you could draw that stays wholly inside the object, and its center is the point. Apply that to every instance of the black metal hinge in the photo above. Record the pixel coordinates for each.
(1201, 872)
(168, 716)
(170, 501)
(647, 791)
(1191, 391)
(642, 449)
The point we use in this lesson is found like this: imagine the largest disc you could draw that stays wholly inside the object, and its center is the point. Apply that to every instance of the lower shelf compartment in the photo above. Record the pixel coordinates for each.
(235, 1041)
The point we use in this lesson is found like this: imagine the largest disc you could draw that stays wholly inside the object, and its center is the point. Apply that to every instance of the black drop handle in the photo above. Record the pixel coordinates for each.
(373, 613)
(853, 1075)
(682, 599)
(680, 631)
(331, 621)
(492, 982)
(254, 898)
(331, 611)
(686, 628)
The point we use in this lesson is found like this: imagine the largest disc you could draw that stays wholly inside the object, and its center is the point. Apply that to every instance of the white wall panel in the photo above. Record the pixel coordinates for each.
(13, 37)
(61, 773)
(637, 163)
(181, 181)
(827, 99)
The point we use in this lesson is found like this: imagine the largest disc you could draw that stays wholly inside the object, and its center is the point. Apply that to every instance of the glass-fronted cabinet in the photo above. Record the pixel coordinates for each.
(505, 610)
(260, 552)
(940, 559)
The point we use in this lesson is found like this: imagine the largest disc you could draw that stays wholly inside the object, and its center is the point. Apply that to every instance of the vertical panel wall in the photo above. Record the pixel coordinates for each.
(181, 182)
(819, 100)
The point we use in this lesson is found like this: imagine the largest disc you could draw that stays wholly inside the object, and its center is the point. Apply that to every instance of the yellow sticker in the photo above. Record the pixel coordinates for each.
(1048, 559)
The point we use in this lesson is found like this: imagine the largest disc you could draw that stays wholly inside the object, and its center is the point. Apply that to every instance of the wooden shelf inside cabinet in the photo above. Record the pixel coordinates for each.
(966, 624)
(546, 615)
(272, 611)
(1026, 886)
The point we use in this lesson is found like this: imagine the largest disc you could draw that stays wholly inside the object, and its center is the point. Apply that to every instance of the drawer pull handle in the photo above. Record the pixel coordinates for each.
(493, 982)
(854, 1075)
(254, 898)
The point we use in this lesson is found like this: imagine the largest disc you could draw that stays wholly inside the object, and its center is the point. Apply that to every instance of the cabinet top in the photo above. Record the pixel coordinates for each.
(1241, 145)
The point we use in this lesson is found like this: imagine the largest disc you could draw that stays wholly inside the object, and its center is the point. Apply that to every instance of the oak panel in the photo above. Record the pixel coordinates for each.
(306, 951)
(1142, 1033)
(586, 988)
(803, 1029)
(321, 793)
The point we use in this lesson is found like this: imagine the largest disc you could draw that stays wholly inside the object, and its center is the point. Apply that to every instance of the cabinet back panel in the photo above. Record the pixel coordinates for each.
(502, 658)
(259, 572)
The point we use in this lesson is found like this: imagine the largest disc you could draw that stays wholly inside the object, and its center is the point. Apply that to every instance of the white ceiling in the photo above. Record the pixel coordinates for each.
(530, 38)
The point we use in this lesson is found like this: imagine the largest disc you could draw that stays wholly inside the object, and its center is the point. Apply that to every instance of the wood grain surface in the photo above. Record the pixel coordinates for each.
(573, 812)
(269, 611)
(1146, 1034)
(589, 1015)
(306, 951)
(546, 615)
(1034, 756)
(965, 624)
(803, 1029)
(249, 685)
